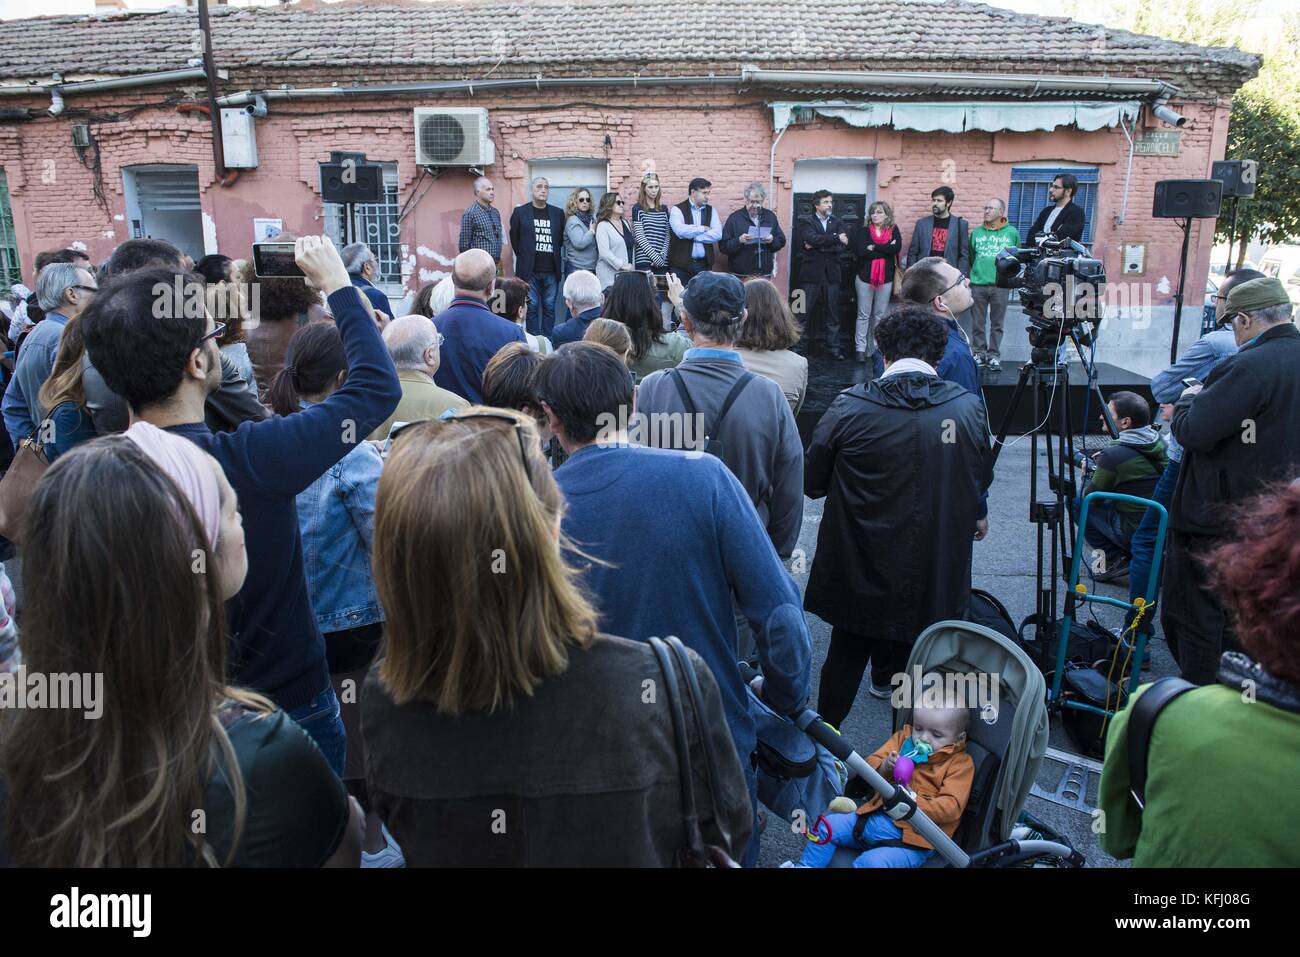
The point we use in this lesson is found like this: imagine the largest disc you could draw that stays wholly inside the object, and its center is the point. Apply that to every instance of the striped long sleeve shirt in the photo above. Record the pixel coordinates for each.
(650, 229)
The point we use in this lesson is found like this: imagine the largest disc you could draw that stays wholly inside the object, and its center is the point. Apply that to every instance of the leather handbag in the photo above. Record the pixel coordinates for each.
(694, 853)
(17, 486)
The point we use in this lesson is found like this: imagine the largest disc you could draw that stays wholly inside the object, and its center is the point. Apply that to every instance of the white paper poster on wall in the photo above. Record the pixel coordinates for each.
(265, 230)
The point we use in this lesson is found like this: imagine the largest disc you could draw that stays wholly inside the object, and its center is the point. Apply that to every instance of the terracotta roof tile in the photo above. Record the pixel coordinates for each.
(454, 38)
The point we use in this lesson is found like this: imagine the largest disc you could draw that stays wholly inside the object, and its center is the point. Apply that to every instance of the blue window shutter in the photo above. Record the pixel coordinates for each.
(1028, 195)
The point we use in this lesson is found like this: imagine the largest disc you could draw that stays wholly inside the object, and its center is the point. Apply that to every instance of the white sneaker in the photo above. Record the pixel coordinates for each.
(390, 856)
(995, 363)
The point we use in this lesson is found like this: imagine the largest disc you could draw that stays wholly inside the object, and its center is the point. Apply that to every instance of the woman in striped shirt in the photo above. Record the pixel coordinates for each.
(650, 229)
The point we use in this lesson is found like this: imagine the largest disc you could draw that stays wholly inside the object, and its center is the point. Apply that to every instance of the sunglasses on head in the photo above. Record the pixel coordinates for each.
(452, 415)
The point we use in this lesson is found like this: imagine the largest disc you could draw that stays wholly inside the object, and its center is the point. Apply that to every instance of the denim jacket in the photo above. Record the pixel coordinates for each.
(336, 515)
(1196, 363)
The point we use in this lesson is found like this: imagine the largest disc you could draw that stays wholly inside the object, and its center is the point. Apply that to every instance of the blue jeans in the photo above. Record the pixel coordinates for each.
(1106, 529)
(542, 289)
(1143, 546)
(323, 721)
(879, 827)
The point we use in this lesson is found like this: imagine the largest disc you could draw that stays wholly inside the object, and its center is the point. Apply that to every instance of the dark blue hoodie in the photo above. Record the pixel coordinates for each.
(276, 647)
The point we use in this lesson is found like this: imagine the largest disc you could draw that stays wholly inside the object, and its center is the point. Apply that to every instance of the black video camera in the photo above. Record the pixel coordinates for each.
(1061, 290)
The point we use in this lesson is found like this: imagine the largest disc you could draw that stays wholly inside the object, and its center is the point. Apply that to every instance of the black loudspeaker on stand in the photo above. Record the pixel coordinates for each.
(1185, 200)
(348, 180)
(1238, 178)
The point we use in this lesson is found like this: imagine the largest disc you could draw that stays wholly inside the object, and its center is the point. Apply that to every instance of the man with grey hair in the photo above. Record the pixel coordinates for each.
(480, 225)
(1240, 433)
(583, 296)
(741, 417)
(537, 234)
(414, 345)
(989, 301)
(63, 290)
(363, 269)
(752, 236)
(471, 332)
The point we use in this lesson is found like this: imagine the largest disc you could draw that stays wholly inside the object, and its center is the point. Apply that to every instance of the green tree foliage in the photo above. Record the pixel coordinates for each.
(1265, 121)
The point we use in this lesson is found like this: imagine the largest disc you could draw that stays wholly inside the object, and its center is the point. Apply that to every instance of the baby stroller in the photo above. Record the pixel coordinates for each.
(1006, 742)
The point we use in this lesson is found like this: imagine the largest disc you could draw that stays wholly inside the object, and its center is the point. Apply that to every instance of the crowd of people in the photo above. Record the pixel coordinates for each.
(373, 589)
(685, 239)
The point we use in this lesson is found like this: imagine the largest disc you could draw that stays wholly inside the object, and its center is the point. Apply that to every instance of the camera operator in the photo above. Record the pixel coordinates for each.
(1063, 217)
(1239, 432)
(1131, 465)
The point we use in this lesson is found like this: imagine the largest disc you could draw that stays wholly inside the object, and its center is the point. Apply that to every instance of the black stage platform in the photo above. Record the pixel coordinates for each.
(827, 378)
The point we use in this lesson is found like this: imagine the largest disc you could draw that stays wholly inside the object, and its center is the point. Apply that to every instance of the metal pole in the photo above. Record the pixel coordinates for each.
(210, 75)
(1232, 238)
(1178, 299)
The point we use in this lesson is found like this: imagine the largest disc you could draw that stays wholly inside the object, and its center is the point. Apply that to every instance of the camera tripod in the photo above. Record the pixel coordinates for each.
(1049, 381)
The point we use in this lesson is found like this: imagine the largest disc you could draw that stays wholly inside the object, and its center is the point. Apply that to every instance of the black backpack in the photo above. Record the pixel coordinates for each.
(711, 445)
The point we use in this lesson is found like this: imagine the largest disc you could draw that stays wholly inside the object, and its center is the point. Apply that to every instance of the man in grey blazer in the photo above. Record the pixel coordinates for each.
(941, 234)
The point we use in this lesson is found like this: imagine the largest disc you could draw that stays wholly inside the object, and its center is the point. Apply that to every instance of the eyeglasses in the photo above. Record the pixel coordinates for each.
(86, 288)
(584, 199)
(964, 280)
(619, 202)
(215, 333)
(451, 415)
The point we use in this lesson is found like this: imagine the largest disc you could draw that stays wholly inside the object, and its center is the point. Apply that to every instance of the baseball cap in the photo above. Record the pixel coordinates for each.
(713, 292)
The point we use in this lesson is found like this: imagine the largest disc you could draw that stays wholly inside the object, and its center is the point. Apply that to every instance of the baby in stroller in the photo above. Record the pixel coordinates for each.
(929, 758)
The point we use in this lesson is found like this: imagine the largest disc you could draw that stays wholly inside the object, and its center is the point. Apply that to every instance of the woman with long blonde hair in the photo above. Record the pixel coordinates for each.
(132, 544)
(501, 727)
(580, 250)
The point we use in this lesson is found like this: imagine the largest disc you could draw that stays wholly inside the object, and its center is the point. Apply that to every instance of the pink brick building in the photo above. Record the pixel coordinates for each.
(884, 101)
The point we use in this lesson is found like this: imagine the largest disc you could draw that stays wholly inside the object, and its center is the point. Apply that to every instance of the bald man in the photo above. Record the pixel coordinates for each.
(414, 346)
(471, 332)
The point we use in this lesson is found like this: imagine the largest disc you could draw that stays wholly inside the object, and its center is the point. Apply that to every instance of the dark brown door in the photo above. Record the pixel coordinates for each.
(849, 208)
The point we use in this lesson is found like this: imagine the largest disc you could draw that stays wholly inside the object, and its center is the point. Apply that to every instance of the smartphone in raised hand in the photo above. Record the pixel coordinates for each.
(275, 261)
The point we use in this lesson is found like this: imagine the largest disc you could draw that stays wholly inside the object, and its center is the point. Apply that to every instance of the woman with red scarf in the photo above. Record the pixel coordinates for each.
(879, 243)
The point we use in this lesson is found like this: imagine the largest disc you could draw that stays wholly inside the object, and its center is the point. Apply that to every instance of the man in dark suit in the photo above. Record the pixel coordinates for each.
(1063, 218)
(537, 235)
(822, 235)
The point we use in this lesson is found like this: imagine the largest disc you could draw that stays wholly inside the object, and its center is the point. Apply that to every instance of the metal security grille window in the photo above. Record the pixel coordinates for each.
(1029, 195)
(376, 225)
(8, 244)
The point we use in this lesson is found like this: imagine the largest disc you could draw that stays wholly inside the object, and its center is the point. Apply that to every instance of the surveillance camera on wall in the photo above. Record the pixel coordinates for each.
(257, 107)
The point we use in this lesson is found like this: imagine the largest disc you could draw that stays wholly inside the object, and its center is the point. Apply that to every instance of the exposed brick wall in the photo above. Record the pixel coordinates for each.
(679, 134)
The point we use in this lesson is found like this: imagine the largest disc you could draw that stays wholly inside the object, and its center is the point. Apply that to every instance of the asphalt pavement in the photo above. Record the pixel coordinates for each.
(1004, 565)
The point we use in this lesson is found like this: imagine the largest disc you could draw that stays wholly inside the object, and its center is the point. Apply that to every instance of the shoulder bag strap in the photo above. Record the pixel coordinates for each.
(681, 390)
(1141, 722)
(697, 705)
(693, 851)
(736, 389)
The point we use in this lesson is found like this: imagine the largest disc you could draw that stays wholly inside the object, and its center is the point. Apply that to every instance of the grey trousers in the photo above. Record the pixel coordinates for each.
(990, 302)
(873, 302)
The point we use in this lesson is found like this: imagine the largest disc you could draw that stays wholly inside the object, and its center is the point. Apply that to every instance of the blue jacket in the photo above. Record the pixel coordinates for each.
(336, 516)
(574, 328)
(377, 297)
(1196, 363)
(472, 335)
(957, 364)
(704, 546)
(35, 362)
(276, 645)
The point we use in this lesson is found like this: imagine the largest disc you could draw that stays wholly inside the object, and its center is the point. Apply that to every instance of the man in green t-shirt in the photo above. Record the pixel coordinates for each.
(990, 302)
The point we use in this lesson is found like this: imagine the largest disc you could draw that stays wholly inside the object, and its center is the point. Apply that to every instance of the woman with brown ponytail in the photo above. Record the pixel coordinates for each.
(159, 764)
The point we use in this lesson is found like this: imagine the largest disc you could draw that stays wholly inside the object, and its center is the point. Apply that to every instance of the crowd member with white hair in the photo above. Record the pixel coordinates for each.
(752, 236)
(434, 297)
(63, 290)
(582, 294)
(537, 235)
(363, 269)
(414, 344)
(480, 225)
(472, 332)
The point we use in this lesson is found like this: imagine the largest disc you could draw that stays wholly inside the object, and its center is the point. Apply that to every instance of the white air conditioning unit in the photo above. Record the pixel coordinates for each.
(453, 136)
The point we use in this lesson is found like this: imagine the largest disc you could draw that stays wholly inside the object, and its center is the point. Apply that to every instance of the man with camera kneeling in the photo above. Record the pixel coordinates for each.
(1130, 465)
